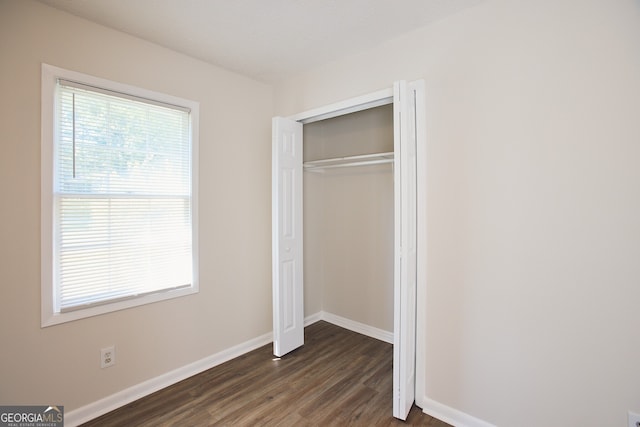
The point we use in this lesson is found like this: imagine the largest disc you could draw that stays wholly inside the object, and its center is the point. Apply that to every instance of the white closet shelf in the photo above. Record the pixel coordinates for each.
(341, 162)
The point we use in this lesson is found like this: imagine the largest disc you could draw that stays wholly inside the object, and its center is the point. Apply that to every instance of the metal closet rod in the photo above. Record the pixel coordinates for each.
(359, 160)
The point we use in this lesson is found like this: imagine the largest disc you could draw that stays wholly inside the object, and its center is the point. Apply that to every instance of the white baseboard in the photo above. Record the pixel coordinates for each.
(450, 415)
(121, 398)
(313, 318)
(351, 325)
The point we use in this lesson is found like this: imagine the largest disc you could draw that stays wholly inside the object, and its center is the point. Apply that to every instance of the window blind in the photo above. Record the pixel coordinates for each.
(122, 197)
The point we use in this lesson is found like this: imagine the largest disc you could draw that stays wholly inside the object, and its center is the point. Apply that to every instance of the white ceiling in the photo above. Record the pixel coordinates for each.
(264, 39)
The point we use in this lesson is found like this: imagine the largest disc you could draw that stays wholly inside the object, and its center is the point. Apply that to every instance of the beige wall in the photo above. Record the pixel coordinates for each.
(348, 220)
(61, 363)
(533, 203)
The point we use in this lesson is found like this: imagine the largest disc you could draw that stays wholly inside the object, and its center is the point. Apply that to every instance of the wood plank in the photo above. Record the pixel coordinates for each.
(337, 378)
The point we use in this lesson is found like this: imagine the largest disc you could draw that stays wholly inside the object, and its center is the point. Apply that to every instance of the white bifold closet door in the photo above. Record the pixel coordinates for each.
(287, 256)
(288, 302)
(405, 260)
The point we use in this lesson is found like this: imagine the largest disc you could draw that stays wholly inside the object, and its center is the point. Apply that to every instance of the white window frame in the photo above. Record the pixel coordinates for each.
(50, 76)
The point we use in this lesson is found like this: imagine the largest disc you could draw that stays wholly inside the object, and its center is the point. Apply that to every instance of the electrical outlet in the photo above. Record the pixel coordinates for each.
(634, 419)
(107, 357)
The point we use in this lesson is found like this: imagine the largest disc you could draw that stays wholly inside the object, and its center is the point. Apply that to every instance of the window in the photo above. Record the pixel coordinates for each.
(118, 196)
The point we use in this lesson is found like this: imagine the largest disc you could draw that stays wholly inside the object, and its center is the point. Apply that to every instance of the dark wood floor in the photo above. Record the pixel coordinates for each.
(337, 378)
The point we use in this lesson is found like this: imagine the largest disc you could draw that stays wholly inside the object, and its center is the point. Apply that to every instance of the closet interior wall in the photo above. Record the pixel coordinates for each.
(348, 220)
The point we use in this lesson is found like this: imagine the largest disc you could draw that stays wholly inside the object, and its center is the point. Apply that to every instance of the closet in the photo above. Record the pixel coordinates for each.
(348, 217)
(358, 182)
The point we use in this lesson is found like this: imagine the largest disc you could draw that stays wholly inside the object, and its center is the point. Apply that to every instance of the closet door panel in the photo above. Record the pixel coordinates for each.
(405, 268)
(288, 310)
